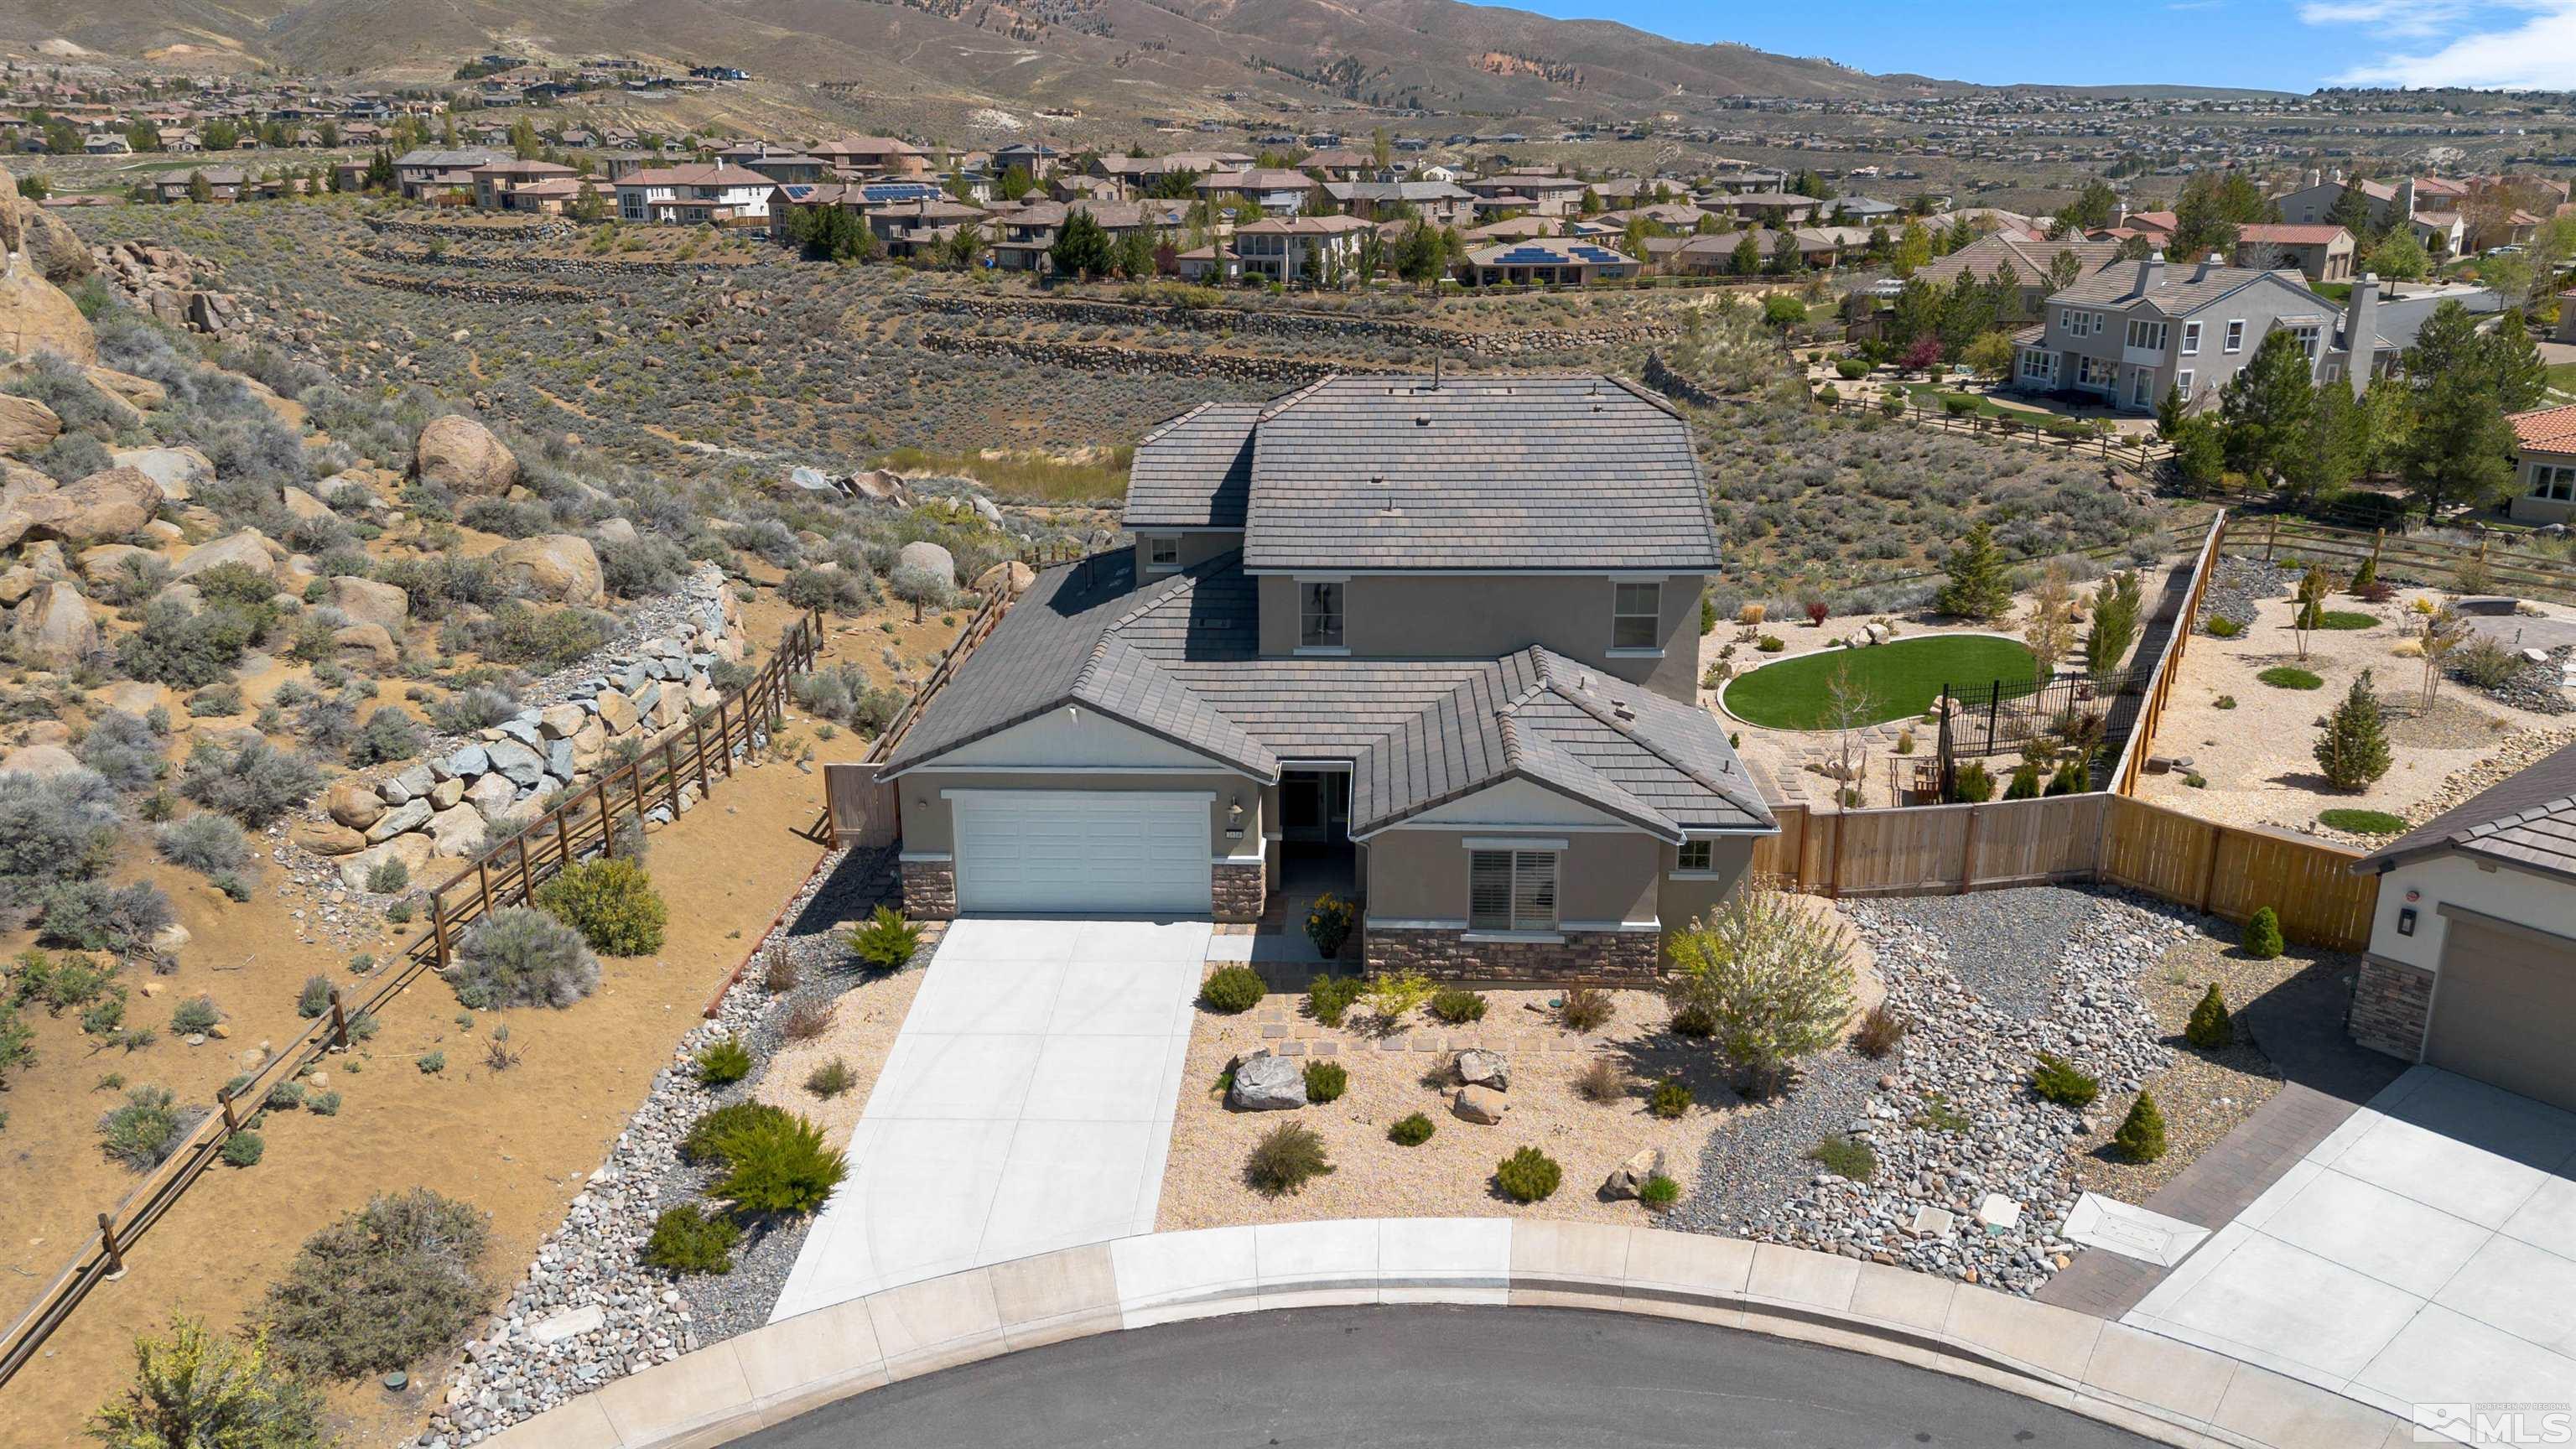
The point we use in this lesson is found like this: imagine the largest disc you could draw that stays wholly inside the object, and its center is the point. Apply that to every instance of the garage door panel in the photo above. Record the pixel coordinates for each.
(2500, 1009)
(1082, 852)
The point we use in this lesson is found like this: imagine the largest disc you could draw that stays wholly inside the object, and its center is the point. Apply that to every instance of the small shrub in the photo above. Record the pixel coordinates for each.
(1456, 1006)
(1232, 990)
(778, 974)
(1659, 1192)
(1937, 1115)
(687, 1239)
(2211, 1028)
(1528, 1175)
(2346, 619)
(315, 998)
(244, 1149)
(2223, 627)
(388, 735)
(1602, 1080)
(1325, 1081)
(1770, 643)
(388, 876)
(196, 1014)
(1845, 1157)
(205, 842)
(284, 1097)
(807, 1020)
(383, 1288)
(2263, 940)
(2224, 701)
(431, 1063)
(2061, 1081)
(255, 783)
(721, 1063)
(146, 1129)
(777, 1165)
(1670, 1099)
(1391, 994)
(1881, 1031)
(831, 1079)
(612, 904)
(1328, 924)
(1411, 1131)
(1972, 784)
(1329, 997)
(197, 1387)
(704, 1141)
(2141, 1136)
(1695, 1022)
(92, 915)
(1585, 1008)
(886, 940)
(1286, 1158)
(522, 957)
(2286, 676)
(322, 1104)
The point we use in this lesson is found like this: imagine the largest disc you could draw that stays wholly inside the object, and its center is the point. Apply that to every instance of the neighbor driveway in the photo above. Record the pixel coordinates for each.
(2423, 1253)
(1026, 1105)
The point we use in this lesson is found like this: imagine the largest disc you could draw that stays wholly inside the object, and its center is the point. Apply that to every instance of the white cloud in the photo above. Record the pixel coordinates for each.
(2536, 53)
(2411, 18)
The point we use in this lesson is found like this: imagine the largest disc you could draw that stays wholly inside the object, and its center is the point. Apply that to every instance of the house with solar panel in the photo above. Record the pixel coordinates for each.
(1545, 261)
(1428, 643)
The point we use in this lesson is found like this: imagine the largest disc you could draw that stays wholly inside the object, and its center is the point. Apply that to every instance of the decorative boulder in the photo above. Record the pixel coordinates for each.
(462, 456)
(367, 644)
(353, 804)
(614, 530)
(492, 796)
(1482, 1105)
(456, 829)
(367, 602)
(616, 711)
(1010, 575)
(46, 759)
(410, 815)
(1265, 1083)
(1629, 1179)
(415, 851)
(1480, 1068)
(325, 838)
(516, 763)
(921, 553)
(552, 566)
(52, 626)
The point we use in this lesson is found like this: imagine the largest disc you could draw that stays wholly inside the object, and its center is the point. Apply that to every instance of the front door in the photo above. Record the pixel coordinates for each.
(1315, 805)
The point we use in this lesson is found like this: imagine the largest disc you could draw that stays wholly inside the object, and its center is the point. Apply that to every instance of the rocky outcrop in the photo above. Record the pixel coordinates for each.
(52, 626)
(367, 602)
(180, 470)
(35, 316)
(559, 566)
(26, 425)
(250, 548)
(100, 508)
(461, 455)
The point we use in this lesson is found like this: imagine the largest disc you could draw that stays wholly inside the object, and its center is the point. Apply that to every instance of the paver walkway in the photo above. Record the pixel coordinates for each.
(2423, 1253)
(1026, 1105)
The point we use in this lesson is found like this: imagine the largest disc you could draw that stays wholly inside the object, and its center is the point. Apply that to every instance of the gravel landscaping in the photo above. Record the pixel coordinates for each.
(589, 1310)
(1987, 983)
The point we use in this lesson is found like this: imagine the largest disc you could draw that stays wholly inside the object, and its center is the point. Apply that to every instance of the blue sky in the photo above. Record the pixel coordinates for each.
(2275, 44)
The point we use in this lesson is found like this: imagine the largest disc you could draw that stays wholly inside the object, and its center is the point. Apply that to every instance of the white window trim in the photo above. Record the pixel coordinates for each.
(2191, 339)
(1156, 543)
(2182, 383)
(2234, 336)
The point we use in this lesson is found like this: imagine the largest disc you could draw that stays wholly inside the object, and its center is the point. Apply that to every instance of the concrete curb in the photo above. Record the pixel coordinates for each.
(2156, 1387)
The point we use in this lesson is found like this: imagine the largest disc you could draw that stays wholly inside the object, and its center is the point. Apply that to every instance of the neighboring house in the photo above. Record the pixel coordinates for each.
(2029, 260)
(2440, 231)
(872, 156)
(911, 228)
(2472, 961)
(2131, 331)
(425, 171)
(1766, 208)
(778, 163)
(1713, 254)
(1436, 202)
(1327, 653)
(1545, 262)
(2322, 251)
(496, 185)
(1307, 249)
(2544, 465)
(1023, 238)
(1037, 158)
(706, 195)
(224, 183)
(1339, 164)
(1277, 190)
(1542, 193)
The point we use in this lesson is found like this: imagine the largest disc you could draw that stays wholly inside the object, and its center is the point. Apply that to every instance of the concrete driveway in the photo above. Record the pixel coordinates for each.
(2424, 1253)
(1026, 1105)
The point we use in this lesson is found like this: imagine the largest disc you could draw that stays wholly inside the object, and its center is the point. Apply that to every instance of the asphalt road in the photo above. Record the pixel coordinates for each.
(1439, 1378)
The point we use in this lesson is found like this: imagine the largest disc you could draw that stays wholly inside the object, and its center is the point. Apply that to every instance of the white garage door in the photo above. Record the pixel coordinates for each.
(1082, 852)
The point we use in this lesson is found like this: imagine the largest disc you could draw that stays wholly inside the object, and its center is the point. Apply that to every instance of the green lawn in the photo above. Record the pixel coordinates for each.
(1899, 679)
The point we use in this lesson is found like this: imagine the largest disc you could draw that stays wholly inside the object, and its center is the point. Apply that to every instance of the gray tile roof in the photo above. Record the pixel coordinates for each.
(2187, 287)
(1194, 471)
(2527, 820)
(1179, 659)
(1480, 473)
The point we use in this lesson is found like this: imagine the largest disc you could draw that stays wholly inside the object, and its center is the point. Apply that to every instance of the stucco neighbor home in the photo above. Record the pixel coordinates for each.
(2472, 963)
(2544, 465)
(1433, 642)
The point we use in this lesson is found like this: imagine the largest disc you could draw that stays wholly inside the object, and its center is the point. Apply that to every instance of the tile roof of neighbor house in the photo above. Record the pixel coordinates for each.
(2186, 287)
(2526, 820)
(2549, 430)
(1476, 474)
(2030, 259)
(1179, 660)
(1548, 253)
(2291, 233)
(1194, 471)
(695, 175)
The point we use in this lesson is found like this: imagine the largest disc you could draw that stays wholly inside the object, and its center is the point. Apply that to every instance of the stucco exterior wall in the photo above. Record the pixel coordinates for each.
(1679, 898)
(1606, 877)
(2536, 900)
(1197, 547)
(2527, 509)
(1430, 616)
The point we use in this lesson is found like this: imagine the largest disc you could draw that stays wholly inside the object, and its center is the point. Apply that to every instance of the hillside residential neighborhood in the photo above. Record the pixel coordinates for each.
(1109, 725)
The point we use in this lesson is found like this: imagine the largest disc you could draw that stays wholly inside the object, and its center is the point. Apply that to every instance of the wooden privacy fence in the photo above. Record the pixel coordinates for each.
(695, 752)
(2222, 870)
(2168, 665)
(2512, 571)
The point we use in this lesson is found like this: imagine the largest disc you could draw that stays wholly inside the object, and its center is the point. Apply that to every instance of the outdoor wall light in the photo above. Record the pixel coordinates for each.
(2406, 920)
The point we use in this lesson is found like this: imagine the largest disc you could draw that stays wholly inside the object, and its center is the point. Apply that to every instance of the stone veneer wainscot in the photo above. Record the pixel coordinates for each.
(930, 890)
(1625, 958)
(2391, 1004)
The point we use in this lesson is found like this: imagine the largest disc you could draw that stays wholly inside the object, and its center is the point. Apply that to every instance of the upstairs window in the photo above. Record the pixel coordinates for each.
(2190, 339)
(1319, 616)
(1162, 553)
(2236, 334)
(1511, 890)
(2148, 336)
(1636, 615)
(1696, 855)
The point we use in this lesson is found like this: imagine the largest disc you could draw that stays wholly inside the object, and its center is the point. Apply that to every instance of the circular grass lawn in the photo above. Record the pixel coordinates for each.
(1899, 679)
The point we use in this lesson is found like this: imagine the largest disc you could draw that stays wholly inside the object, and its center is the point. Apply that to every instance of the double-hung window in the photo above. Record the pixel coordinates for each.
(1319, 614)
(1511, 890)
(2236, 334)
(1636, 613)
(2190, 339)
(1162, 553)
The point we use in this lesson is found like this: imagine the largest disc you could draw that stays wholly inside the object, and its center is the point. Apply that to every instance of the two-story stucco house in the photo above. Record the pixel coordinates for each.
(712, 195)
(2133, 330)
(1436, 638)
(1309, 249)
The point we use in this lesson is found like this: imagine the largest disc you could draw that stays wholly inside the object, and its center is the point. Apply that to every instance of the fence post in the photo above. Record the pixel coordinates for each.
(527, 880)
(2271, 536)
(339, 1022)
(724, 737)
(698, 738)
(224, 1098)
(563, 837)
(438, 926)
(607, 826)
(671, 773)
(1968, 849)
(108, 1244)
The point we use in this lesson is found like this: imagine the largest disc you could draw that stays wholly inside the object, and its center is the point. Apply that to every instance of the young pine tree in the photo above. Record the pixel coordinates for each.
(2210, 1027)
(2353, 749)
(2141, 1137)
(2263, 935)
(1979, 586)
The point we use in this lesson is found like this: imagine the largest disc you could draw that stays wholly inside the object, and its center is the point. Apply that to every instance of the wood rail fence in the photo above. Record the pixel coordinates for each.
(2509, 570)
(2168, 666)
(2141, 453)
(696, 752)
